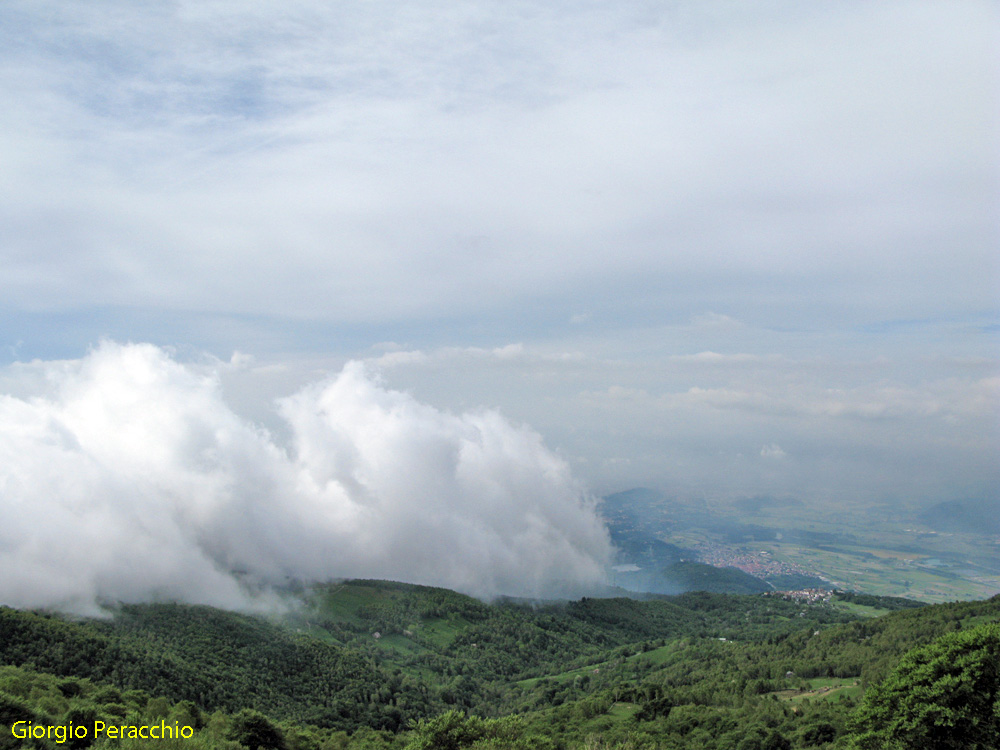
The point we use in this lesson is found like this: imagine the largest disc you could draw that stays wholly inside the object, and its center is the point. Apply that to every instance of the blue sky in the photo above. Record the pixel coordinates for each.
(720, 248)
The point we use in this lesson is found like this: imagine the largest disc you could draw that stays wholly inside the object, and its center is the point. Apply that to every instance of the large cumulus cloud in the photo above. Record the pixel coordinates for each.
(126, 476)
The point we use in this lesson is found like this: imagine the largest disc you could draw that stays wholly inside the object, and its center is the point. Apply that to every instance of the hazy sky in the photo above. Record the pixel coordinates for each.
(719, 248)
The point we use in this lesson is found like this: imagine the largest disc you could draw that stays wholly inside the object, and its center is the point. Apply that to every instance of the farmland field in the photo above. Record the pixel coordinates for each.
(877, 550)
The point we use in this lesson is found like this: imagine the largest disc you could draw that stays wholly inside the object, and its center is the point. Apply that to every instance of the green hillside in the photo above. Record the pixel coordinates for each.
(365, 664)
(218, 660)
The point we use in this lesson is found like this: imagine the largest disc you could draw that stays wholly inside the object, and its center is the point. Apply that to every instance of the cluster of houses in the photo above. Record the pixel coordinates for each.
(804, 596)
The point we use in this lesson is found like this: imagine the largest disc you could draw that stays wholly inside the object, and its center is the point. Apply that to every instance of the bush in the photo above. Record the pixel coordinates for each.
(945, 695)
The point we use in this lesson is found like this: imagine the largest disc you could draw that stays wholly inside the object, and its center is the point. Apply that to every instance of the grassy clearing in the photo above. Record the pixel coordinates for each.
(972, 622)
(656, 657)
(824, 689)
(563, 676)
(441, 633)
(401, 645)
(342, 602)
(862, 610)
(622, 711)
(617, 714)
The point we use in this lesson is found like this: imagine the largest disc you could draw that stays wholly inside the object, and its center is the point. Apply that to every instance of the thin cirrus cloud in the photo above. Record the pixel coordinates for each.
(381, 163)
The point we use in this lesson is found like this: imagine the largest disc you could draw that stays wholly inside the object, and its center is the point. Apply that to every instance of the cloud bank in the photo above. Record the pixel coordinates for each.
(126, 476)
(820, 423)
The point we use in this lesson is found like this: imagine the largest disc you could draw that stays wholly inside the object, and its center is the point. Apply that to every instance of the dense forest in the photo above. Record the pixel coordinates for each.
(371, 664)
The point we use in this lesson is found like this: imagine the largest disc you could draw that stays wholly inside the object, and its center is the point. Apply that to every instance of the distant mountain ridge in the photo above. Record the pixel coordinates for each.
(964, 516)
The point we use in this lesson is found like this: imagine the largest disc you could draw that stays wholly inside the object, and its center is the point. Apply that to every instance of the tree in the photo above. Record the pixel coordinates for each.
(81, 716)
(255, 731)
(454, 731)
(944, 695)
(449, 731)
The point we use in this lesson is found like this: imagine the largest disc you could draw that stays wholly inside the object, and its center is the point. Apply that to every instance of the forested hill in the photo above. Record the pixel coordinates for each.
(370, 652)
(368, 656)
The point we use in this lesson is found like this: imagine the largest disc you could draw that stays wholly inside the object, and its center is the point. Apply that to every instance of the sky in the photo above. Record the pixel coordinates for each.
(720, 249)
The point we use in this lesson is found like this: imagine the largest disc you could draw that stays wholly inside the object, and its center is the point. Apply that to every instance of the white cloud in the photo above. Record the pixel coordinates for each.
(394, 359)
(126, 476)
(772, 451)
(715, 320)
(714, 358)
